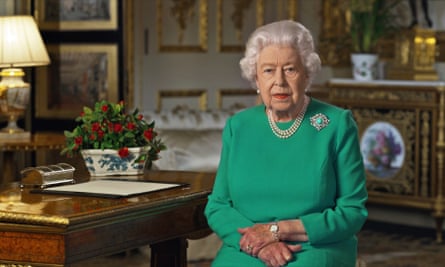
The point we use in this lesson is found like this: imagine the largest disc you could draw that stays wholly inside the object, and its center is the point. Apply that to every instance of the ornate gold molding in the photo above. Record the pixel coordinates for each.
(182, 12)
(201, 94)
(33, 219)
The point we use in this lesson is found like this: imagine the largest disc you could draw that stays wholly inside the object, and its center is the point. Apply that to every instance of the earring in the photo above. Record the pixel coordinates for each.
(258, 91)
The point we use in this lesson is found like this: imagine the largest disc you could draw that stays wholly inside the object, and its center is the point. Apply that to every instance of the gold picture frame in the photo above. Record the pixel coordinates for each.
(189, 18)
(242, 19)
(375, 125)
(79, 75)
(87, 15)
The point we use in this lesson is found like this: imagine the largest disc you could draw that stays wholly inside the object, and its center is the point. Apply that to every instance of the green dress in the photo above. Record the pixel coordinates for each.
(315, 175)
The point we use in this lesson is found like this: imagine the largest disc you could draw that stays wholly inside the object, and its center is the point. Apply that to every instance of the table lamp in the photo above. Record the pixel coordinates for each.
(21, 45)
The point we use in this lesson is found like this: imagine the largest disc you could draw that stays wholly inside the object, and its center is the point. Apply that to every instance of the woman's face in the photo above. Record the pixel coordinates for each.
(281, 78)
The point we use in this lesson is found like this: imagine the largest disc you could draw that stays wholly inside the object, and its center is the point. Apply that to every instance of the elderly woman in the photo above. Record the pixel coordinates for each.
(290, 188)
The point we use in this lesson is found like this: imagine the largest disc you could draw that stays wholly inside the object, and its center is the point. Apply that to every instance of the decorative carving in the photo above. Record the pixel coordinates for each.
(415, 54)
(439, 201)
(425, 131)
(389, 94)
(239, 8)
(183, 11)
(417, 111)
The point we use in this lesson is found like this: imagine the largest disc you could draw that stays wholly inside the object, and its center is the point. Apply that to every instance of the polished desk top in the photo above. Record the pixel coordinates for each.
(20, 206)
(62, 229)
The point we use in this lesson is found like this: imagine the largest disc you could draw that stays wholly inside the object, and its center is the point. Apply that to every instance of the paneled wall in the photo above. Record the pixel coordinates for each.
(215, 68)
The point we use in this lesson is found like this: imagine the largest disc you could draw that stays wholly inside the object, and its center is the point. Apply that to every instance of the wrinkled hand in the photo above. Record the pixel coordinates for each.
(277, 254)
(255, 238)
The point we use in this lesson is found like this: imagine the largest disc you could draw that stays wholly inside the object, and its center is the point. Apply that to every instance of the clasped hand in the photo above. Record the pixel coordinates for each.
(258, 241)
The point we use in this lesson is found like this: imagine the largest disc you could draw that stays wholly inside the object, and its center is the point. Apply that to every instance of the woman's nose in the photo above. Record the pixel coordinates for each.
(279, 78)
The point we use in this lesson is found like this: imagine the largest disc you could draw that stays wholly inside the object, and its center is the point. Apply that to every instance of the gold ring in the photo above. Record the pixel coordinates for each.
(249, 248)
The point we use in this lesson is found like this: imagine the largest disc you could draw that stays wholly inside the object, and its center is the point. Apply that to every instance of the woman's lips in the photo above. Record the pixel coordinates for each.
(281, 96)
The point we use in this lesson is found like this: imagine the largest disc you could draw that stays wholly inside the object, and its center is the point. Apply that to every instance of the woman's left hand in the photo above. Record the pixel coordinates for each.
(278, 254)
(254, 238)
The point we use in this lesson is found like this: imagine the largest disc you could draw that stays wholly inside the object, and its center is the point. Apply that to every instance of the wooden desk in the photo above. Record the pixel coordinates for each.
(38, 141)
(58, 230)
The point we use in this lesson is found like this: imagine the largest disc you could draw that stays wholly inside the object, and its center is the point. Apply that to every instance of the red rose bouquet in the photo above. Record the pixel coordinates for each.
(108, 126)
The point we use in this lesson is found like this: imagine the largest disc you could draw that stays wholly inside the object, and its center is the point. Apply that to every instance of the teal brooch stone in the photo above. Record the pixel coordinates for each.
(319, 121)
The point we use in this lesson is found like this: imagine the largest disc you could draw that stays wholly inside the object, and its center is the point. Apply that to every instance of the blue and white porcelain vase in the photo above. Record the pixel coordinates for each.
(107, 162)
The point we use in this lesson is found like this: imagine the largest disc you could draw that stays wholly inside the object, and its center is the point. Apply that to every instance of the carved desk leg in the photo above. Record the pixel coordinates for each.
(170, 253)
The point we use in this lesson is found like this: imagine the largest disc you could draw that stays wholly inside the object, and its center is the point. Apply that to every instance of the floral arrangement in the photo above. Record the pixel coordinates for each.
(383, 149)
(108, 126)
(370, 21)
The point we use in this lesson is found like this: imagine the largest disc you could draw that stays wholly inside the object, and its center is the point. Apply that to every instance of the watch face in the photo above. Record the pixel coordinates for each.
(274, 228)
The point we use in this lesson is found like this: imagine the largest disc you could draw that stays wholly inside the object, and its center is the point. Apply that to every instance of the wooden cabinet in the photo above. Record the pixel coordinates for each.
(402, 138)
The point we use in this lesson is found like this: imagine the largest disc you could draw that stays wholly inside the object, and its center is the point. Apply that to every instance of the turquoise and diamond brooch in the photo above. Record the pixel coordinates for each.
(319, 121)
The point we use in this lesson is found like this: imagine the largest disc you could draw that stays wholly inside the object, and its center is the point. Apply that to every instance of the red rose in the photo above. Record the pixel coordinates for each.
(123, 152)
(131, 126)
(92, 137)
(95, 126)
(117, 128)
(140, 117)
(78, 140)
(105, 108)
(148, 134)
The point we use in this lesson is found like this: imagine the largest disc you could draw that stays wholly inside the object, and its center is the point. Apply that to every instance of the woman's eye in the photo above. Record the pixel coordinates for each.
(291, 71)
(268, 71)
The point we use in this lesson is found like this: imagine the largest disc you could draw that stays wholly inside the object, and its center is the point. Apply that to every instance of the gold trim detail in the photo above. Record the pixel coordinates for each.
(403, 181)
(239, 18)
(33, 219)
(425, 132)
(439, 201)
(200, 93)
(80, 24)
(222, 93)
(183, 11)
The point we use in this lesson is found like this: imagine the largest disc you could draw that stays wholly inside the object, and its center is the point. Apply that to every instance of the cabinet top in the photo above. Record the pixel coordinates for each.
(341, 81)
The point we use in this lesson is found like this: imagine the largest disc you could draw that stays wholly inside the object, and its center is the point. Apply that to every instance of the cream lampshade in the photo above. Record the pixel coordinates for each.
(21, 45)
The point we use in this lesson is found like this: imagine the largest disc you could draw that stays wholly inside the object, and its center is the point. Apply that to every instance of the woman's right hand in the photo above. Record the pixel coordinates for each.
(277, 254)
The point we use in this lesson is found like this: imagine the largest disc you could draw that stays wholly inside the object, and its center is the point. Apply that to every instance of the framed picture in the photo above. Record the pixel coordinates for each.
(388, 147)
(77, 15)
(383, 150)
(237, 20)
(79, 75)
(182, 26)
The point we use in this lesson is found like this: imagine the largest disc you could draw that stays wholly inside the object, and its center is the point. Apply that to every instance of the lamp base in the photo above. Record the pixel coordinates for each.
(15, 137)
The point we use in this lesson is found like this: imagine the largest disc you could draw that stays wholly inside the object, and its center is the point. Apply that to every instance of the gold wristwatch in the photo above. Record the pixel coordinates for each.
(274, 230)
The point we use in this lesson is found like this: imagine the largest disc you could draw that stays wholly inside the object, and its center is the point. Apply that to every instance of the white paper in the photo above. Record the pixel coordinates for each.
(112, 187)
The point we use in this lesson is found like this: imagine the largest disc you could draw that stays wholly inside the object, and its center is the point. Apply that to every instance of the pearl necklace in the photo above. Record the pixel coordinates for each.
(293, 128)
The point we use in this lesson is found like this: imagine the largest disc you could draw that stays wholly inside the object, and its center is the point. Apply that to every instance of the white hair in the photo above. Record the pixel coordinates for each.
(287, 33)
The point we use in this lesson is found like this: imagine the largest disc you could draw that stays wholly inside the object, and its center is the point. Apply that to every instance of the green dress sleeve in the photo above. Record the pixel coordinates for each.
(223, 218)
(349, 214)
